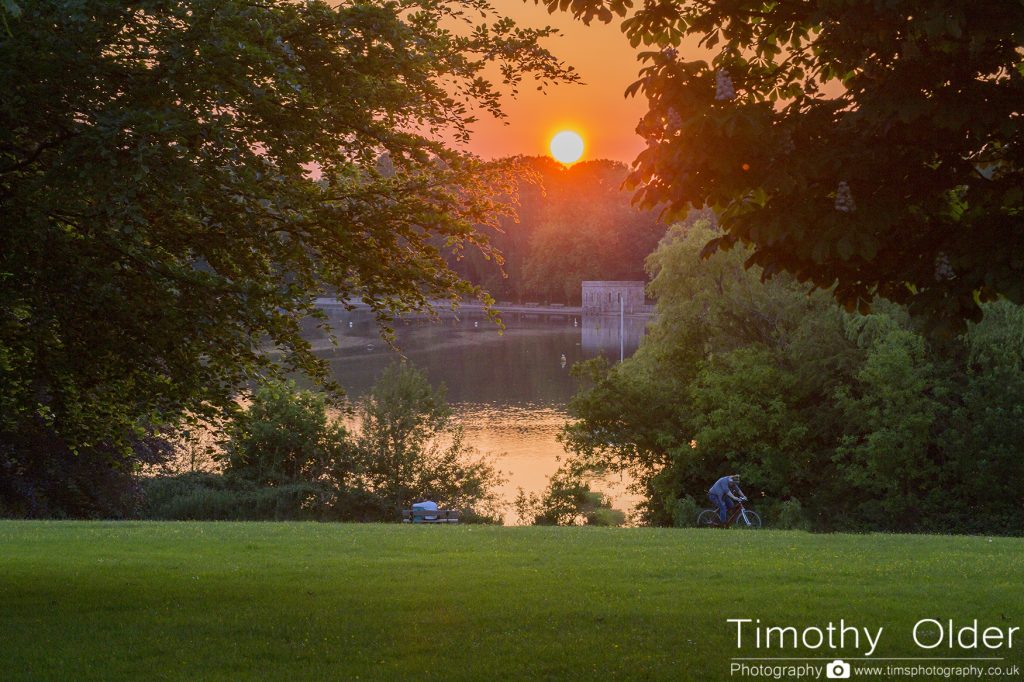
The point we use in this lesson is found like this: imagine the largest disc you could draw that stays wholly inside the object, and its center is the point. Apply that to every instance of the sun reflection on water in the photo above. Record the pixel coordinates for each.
(523, 439)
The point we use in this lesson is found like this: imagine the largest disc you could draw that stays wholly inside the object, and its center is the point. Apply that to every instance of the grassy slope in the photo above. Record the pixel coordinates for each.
(310, 601)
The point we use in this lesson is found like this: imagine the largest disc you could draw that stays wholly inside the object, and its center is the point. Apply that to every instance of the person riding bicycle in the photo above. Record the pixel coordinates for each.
(726, 494)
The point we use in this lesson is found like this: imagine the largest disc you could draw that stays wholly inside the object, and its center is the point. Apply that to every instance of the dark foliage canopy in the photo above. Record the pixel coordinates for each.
(180, 180)
(875, 148)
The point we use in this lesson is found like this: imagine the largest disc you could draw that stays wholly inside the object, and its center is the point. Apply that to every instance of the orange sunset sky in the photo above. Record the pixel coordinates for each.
(596, 109)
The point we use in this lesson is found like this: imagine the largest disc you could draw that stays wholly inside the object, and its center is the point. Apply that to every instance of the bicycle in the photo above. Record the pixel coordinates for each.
(748, 519)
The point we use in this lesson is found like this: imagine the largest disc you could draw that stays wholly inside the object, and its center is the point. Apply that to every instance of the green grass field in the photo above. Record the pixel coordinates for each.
(207, 601)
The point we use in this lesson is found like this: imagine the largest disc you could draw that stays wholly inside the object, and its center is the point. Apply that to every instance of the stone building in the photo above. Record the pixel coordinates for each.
(602, 297)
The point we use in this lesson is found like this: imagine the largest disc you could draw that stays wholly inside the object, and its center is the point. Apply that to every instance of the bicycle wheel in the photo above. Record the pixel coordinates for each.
(707, 518)
(752, 522)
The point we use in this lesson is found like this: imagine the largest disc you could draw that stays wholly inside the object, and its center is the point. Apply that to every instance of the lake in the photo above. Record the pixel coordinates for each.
(508, 390)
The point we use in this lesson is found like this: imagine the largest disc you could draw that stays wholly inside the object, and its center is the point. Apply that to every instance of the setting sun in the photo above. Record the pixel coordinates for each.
(567, 146)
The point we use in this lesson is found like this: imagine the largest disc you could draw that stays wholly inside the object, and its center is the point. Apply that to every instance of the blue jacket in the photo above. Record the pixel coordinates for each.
(722, 486)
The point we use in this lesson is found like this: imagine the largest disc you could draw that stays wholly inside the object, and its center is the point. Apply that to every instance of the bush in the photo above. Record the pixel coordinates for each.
(789, 515)
(407, 445)
(216, 497)
(606, 516)
(212, 497)
(474, 517)
(287, 458)
(567, 501)
(684, 512)
(285, 436)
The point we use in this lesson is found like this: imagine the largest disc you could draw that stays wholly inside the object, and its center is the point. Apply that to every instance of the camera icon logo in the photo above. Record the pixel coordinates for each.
(838, 670)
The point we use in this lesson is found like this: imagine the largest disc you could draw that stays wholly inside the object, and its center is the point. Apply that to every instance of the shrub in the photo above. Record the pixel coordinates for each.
(684, 512)
(567, 501)
(789, 515)
(606, 516)
(213, 497)
(288, 459)
(285, 436)
(408, 446)
(475, 517)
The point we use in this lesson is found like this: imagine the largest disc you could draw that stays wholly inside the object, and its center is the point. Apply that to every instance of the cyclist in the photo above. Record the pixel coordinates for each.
(726, 494)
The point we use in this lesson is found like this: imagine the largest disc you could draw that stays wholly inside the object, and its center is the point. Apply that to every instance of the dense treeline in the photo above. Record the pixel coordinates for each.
(836, 421)
(574, 223)
(160, 224)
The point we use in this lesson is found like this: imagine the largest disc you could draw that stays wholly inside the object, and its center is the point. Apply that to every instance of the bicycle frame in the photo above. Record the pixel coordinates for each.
(736, 513)
(739, 511)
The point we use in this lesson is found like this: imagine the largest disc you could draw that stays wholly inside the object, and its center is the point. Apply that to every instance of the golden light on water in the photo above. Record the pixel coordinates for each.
(524, 442)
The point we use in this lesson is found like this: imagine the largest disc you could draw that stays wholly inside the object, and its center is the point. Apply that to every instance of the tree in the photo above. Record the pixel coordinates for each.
(285, 436)
(572, 223)
(409, 446)
(57, 482)
(835, 420)
(890, 409)
(179, 181)
(677, 414)
(587, 230)
(870, 149)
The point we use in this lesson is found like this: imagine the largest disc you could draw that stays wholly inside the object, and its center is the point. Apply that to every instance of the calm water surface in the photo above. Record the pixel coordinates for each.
(509, 391)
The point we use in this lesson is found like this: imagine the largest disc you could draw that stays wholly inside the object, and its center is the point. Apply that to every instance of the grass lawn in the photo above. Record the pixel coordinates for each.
(206, 601)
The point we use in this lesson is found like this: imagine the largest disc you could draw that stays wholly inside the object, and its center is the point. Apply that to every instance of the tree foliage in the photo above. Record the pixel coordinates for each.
(572, 224)
(835, 420)
(409, 446)
(868, 148)
(285, 436)
(56, 482)
(179, 181)
(401, 444)
(589, 230)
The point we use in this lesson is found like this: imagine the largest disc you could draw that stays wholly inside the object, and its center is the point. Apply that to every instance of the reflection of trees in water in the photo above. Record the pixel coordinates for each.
(515, 368)
(476, 362)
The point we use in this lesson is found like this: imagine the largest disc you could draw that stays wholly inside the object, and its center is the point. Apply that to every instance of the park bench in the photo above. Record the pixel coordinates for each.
(420, 516)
